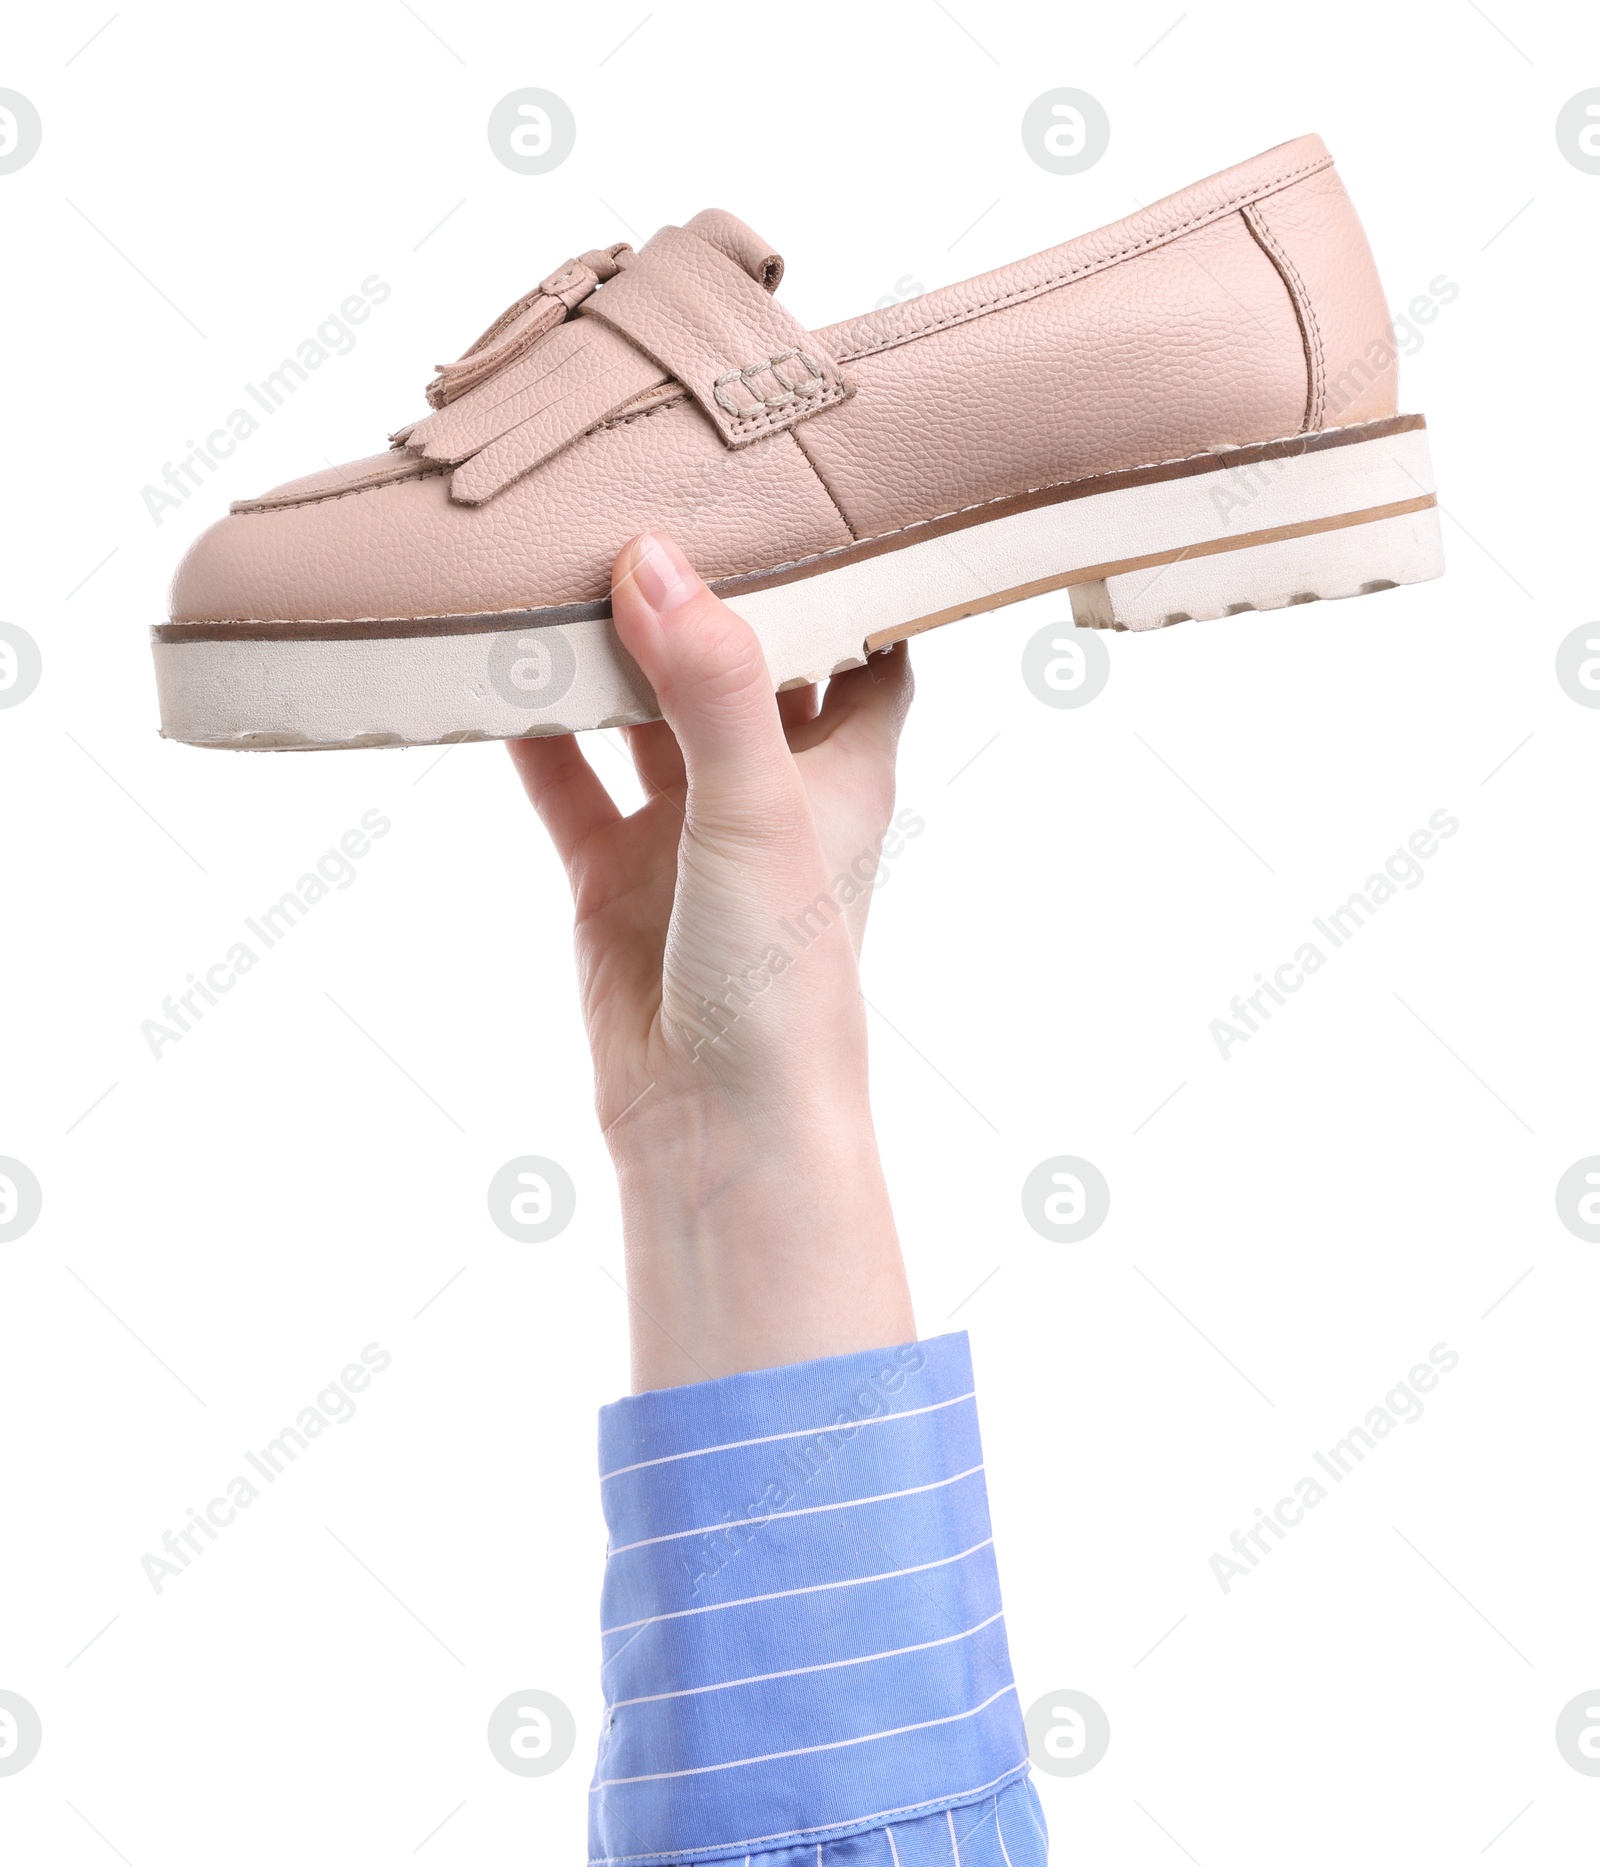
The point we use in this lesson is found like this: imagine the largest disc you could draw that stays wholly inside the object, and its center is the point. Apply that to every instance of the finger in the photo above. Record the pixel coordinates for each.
(865, 709)
(710, 678)
(562, 787)
(797, 706)
(657, 758)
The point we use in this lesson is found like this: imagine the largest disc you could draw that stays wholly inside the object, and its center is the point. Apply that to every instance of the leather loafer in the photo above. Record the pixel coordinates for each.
(1185, 414)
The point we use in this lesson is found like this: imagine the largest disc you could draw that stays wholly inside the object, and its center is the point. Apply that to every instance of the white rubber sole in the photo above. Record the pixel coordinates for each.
(1336, 514)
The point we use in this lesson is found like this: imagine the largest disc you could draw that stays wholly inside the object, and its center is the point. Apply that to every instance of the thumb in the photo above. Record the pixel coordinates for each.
(709, 674)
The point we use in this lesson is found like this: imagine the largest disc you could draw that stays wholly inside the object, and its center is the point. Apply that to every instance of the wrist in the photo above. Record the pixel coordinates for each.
(687, 1114)
(715, 1167)
(756, 1235)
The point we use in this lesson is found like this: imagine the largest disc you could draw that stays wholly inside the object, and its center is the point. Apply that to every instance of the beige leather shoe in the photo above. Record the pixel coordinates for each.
(1189, 413)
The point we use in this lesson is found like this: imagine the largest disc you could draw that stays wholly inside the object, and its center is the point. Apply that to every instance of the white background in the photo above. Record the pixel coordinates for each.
(1291, 1232)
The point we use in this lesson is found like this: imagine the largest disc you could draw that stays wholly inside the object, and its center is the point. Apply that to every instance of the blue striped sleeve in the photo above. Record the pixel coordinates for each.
(804, 1655)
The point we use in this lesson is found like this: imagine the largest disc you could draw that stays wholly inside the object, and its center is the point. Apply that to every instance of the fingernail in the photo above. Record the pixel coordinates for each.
(663, 574)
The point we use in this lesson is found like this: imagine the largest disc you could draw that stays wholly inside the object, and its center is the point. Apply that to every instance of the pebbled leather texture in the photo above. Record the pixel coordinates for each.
(409, 550)
(1244, 308)
(1160, 356)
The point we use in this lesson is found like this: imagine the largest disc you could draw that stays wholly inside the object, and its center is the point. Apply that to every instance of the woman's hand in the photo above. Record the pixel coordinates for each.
(717, 933)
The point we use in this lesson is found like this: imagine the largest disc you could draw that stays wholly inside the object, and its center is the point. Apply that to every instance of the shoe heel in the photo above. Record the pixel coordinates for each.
(1337, 560)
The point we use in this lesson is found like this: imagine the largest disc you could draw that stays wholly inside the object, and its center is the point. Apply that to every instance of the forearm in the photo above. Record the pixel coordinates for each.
(756, 1237)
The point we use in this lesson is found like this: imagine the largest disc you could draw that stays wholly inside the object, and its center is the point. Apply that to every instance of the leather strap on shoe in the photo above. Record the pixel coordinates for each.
(706, 321)
(695, 306)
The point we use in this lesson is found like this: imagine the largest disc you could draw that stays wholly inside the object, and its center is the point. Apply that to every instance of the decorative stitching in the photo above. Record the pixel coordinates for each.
(839, 392)
(1304, 310)
(422, 469)
(816, 380)
(679, 394)
(780, 418)
(1095, 265)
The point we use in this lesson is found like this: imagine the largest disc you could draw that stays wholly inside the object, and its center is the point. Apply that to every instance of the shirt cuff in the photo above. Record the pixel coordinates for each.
(804, 1655)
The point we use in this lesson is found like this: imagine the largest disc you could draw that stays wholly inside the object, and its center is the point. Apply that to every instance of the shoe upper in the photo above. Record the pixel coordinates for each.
(668, 388)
